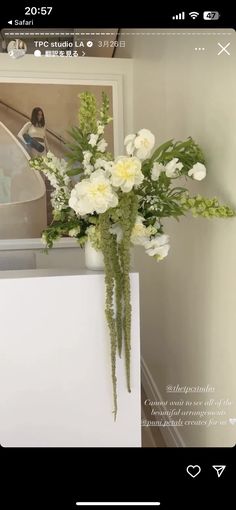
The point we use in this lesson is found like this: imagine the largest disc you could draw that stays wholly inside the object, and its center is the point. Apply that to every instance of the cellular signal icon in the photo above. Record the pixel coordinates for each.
(181, 15)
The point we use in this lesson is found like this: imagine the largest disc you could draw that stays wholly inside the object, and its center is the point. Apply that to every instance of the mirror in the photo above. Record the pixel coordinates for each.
(25, 207)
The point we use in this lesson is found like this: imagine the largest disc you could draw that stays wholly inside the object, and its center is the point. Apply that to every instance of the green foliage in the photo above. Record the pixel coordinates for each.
(118, 277)
(129, 209)
(160, 199)
(94, 236)
(76, 148)
(117, 269)
(104, 111)
(60, 228)
(90, 117)
(87, 113)
(206, 207)
(107, 249)
(187, 152)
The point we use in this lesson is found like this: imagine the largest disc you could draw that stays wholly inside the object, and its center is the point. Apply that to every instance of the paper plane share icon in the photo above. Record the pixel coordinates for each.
(219, 470)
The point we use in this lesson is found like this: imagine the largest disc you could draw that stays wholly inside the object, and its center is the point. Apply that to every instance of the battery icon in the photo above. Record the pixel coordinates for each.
(211, 15)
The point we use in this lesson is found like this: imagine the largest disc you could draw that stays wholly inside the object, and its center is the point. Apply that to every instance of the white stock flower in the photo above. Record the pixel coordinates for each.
(55, 170)
(88, 169)
(74, 231)
(50, 154)
(93, 140)
(102, 145)
(99, 163)
(117, 230)
(198, 172)
(172, 167)
(126, 173)
(53, 180)
(103, 163)
(44, 237)
(158, 247)
(93, 195)
(55, 164)
(87, 156)
(156, 171)
(144, 143)
(100, 128)
(129, 144)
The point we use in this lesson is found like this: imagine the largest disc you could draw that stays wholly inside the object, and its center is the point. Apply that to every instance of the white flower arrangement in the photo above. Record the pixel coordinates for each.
(120, 202)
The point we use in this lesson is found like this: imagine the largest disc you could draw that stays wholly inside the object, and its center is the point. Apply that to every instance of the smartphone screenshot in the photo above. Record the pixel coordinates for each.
(117, 249)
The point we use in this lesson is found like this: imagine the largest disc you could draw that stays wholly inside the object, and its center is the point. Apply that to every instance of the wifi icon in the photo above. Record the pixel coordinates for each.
(194, 14)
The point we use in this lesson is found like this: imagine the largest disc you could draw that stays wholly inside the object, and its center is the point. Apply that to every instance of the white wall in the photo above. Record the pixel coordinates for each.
(188, 328)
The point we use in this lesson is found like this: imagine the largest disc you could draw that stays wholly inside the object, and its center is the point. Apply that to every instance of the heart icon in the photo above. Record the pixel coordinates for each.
(193, 470)
(232, 421)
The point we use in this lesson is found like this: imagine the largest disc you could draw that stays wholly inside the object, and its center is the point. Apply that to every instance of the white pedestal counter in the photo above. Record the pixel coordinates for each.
(55, 376)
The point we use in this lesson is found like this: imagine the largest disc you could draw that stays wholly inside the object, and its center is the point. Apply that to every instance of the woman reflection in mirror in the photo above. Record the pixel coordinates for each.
(33, 134)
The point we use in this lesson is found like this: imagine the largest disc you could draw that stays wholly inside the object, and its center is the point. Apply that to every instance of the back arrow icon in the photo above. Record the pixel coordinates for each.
(219, 470)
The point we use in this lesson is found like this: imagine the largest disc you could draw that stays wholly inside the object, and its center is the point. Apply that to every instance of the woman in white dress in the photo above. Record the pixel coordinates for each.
(33, 134)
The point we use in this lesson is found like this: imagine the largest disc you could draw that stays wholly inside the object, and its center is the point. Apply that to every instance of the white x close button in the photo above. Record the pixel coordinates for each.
(223, 48)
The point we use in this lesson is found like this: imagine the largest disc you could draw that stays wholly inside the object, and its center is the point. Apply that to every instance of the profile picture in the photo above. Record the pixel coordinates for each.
(17, 48)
